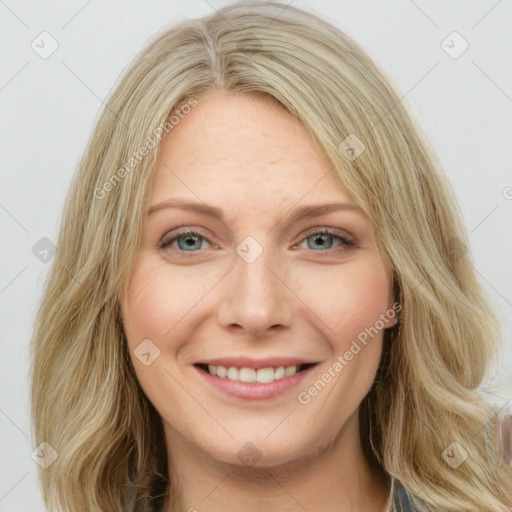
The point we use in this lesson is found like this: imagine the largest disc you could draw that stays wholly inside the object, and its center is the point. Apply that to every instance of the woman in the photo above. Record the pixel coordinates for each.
(197, 350)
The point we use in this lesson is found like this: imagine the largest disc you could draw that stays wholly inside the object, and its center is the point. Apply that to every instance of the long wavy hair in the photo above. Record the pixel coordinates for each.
(86, 402)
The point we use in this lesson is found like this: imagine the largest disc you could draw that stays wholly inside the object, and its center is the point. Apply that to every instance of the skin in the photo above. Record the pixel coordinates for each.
(249, 157)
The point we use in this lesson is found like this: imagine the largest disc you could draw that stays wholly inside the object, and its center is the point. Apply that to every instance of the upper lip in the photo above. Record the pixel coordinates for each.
(248, 362)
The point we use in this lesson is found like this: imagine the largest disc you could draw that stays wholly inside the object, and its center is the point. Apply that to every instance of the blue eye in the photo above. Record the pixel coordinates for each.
(188, 241)
(322, 238)
(191, 241)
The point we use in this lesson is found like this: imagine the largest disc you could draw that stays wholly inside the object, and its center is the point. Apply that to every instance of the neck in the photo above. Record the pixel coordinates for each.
(336, 477)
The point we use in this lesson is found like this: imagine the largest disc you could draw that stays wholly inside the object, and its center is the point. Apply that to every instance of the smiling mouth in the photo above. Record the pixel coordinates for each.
(253, 375)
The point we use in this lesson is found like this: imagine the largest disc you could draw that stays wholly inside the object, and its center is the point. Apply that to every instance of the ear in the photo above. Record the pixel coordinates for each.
(392, 317)
(394, 308)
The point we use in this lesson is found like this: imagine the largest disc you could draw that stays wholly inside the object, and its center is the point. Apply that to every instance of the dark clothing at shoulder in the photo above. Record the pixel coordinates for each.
(401, 500)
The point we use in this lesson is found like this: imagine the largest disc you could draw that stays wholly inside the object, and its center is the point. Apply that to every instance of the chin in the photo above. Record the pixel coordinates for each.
(264, 453)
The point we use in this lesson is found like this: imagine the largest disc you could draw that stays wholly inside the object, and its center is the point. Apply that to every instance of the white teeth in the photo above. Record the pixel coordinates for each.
(265, 375)
(279, 373)
(221, 371)
(249, 375)
(290, 370)
(233, 373)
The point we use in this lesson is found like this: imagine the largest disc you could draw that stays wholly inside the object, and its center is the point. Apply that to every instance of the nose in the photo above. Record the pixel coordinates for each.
(255, 296)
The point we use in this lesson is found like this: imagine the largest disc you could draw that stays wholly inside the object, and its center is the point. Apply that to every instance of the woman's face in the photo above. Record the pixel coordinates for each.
(255, 290)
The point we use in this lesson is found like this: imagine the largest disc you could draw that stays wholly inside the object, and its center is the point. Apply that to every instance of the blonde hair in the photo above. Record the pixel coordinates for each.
(85, 399)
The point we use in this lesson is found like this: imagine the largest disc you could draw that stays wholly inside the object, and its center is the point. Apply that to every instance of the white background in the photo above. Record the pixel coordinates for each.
(48, 108)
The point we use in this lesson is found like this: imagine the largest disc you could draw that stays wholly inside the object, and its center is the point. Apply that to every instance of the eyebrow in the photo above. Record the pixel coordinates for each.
(304, 212)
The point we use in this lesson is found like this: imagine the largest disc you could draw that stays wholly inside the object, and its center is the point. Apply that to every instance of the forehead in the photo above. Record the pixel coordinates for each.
(243, 150)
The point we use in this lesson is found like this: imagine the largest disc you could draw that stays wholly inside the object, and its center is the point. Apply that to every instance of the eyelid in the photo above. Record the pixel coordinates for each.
(185, 229)
(341, 233)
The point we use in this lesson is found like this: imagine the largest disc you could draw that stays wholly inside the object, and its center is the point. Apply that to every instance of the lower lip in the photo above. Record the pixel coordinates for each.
(255, 390)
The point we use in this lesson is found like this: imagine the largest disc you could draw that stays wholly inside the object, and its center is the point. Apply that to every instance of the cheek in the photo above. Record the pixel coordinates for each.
(348, 299)
(144, 305)
(159, 301)
(158, 306)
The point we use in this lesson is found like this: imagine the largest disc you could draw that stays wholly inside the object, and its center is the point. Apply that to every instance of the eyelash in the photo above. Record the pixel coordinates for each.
(345, 242)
